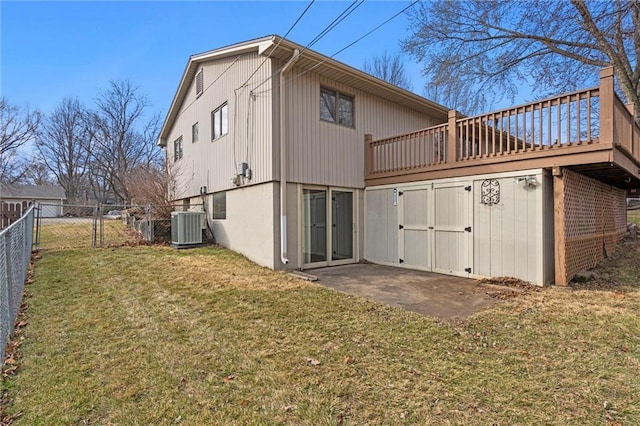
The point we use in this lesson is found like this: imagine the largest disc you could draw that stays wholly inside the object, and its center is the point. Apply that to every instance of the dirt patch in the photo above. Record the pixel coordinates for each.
(619, 271)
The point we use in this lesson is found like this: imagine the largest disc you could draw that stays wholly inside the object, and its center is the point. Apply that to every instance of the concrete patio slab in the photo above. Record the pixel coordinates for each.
(430, 294)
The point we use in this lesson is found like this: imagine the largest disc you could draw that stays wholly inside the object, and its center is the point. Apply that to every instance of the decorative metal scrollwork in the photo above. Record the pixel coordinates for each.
(490, 192)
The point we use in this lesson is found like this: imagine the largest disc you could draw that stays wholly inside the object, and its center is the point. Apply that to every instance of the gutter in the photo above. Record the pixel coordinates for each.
(283, 161)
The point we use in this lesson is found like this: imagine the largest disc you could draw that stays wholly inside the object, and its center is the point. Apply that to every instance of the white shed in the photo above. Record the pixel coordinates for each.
(477, 226)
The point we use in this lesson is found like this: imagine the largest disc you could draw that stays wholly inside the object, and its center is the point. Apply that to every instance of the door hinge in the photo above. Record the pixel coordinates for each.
(401, 260)
(468, 270)
(467, 188)
(468, 229)
(400, 226)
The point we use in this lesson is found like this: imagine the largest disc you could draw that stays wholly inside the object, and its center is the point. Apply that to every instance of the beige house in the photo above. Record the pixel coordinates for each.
(301, 161)
(223, 135)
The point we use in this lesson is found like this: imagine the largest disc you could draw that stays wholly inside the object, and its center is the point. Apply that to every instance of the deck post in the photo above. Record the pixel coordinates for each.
(452, 132)
(607, 95)
(560, 254)
(631, 107)
(368, 155)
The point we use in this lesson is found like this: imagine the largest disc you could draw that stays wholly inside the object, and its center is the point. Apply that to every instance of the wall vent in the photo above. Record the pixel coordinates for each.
(186, 228)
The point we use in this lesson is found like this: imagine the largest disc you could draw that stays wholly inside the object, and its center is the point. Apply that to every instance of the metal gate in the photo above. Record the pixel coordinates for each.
(74, 226)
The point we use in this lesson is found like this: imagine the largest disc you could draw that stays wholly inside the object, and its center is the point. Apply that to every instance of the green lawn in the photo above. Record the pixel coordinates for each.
(152, 335)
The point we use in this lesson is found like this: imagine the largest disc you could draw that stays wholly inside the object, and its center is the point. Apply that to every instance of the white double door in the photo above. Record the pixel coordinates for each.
(328, 226)
(435, 228)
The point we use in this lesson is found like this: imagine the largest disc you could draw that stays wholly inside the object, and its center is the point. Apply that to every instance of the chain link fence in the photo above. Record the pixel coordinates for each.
(103, 225)
(73, 227)
(15, 254)
(152, 223)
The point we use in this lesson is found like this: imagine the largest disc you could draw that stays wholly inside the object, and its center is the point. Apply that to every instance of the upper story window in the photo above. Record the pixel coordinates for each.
(199, 83)
(220, 121)
(177, 149)
(336, 107)
(195, 133)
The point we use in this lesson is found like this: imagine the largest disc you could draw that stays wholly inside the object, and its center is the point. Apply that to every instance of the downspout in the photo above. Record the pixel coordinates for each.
(283, 161)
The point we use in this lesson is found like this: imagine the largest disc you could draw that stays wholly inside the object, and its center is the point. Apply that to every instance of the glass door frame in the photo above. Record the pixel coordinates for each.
(329, 226)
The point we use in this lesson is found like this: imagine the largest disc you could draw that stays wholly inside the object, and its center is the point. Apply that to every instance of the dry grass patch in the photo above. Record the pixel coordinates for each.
(144, 335)
(70, 233)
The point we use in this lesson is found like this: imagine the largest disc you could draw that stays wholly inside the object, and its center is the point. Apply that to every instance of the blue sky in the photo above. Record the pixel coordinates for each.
(51, 50)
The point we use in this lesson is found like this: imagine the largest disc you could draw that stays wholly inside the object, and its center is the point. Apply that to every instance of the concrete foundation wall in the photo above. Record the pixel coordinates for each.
(249, 226)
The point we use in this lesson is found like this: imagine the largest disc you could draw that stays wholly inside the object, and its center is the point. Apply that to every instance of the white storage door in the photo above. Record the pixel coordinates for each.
(415, 237)
(453, 216)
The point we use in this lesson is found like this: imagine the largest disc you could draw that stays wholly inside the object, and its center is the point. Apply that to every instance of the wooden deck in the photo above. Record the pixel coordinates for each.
(590, 131)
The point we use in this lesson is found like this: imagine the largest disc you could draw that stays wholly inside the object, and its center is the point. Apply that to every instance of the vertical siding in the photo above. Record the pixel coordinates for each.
(381, 226)
(507, 235)
(512, 238)
(325, 153)
(212, 163)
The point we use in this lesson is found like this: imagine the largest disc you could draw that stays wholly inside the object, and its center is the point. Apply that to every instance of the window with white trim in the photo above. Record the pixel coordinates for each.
(336, 107)
(199, 83)
(195, 133)
(220, 121)
(220, 205)
(177, 149)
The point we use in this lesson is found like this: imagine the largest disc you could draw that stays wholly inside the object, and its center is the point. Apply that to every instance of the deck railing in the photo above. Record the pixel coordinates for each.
(570, 119)
(626, 133)
(425, 147)
(559, 125)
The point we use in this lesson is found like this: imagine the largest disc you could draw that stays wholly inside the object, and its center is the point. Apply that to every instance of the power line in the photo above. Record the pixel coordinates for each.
(280, 41)
(344, 48)
(355, 41)
(216, 79)
(348, 11)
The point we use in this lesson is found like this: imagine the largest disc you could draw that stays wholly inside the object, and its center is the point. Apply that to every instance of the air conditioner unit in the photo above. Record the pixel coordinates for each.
(186, 228)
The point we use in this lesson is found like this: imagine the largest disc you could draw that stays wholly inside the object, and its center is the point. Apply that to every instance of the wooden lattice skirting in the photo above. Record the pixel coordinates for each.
(590, 217)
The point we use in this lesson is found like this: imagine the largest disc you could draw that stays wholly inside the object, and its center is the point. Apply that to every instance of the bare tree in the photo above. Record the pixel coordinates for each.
(38, 173)
(13, 166)
(122, 139)
(486, 49)
(17, 127)
(64, 145)
(389, 68)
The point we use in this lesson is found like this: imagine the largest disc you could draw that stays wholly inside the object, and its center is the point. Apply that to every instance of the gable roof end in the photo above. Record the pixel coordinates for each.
(189, 73)
(282, 50)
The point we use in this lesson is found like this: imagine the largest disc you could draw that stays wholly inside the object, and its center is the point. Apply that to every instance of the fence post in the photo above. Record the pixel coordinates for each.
(452, 137)
(5, 283)
(607, 95)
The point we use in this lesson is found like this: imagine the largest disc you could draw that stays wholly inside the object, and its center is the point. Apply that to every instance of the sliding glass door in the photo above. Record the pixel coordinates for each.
(327, 226)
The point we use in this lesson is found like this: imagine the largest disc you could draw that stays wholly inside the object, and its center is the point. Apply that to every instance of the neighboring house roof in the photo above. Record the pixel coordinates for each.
(282, 49)
(32, 192)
